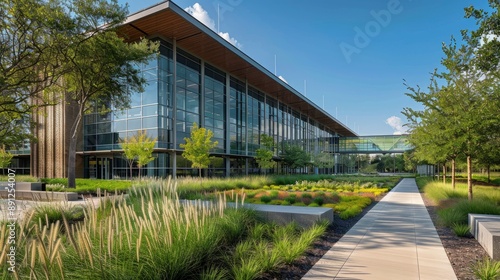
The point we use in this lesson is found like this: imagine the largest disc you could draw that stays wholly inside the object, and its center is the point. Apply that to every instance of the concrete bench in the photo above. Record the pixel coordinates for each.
(41, 195)
(302, 215)
(24, 186)
(486, 229)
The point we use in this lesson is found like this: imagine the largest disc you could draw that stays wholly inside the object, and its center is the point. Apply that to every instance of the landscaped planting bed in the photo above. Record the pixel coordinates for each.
(149, 234)
(449, 209)
(348, 199)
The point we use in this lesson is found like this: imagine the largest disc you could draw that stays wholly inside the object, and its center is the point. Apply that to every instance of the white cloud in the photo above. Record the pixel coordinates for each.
(397, 125)
(230, 39)
(202, 15)
(488, 38)
(283, 79)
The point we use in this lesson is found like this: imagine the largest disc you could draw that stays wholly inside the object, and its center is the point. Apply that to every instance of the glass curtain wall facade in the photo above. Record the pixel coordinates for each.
(183, 89)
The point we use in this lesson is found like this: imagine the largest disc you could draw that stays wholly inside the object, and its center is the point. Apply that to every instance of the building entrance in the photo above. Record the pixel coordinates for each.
(104, 168)
(100, 167)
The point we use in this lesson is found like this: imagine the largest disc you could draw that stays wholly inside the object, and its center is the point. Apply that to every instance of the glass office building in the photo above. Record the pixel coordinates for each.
(198, 77)
(183, 89)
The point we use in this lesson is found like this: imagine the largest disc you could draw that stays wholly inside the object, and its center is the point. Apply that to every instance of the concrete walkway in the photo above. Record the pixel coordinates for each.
(396, 239)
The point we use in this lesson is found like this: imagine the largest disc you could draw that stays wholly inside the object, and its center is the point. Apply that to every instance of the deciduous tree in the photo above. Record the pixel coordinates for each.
(197, 148)
(5, 158)
(138, 148)
(29, 63)
(264, 155)
(295, 156)
(101, 66)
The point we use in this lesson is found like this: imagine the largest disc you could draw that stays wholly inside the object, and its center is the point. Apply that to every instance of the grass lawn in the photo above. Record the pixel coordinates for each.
(454, 206)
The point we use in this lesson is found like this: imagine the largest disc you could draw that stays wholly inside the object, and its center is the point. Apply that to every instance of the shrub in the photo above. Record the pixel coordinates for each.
(461, 230)
(246, 269)
(55, 187)
(318, 200)
(265, 199)
(487, 269)
(314, 204)
(306, 195)
(290, 248)
(46, 214)
(266, 255)
(214, 273)
(290, 200)
(329, 205)
(350, 212)
(274, 194)
(276, 202)
(251, 194)
(458, 213)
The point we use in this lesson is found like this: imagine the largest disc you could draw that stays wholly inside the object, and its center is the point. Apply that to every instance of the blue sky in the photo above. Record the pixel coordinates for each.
(349, 57)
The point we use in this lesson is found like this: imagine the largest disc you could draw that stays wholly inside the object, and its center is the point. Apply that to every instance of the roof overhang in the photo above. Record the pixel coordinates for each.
(167, 20)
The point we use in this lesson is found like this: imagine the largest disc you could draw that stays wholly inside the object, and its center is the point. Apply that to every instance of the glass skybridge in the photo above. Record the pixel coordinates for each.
(380, 144)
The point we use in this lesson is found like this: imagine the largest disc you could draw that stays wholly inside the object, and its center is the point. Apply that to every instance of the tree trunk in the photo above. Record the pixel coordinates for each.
(453, 173)
(469, 177)
(488, 169)
(71, 163)
(444, 173)
(72, 148)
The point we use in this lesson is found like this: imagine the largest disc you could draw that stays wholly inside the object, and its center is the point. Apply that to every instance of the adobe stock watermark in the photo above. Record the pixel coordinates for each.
(11, 219)
(226, 6)
(364, 36)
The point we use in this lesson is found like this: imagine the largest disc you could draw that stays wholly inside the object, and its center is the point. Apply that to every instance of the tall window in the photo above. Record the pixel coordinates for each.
(187, 94)
(215, 104)
(255, 112)
(237, 117)
(165, 90)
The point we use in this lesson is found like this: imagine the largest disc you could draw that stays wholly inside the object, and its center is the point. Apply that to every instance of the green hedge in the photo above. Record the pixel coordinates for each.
(91, 185)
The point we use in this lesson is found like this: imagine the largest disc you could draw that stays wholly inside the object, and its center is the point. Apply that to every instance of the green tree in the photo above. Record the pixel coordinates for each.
(101, 66)
(29, 64)
(391, 163)
(197, 148)
(264, 155)
(456, 117)
(5, 158)
(487, 57)
(322, 160)
(138, 147)
(434, 130)
(294, 156)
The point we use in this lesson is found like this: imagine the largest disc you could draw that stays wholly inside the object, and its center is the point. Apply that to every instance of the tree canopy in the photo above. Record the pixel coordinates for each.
(295, 156)
(5, 158)
(30, 63)
(460, 118)
(197, 148)
(101, 67)
(64, 51)
(138, 148)
(264, 155)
